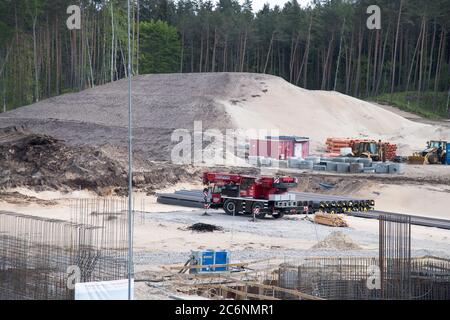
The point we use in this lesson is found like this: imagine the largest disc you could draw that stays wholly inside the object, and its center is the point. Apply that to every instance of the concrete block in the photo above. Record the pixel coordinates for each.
(283, 163)
(356, 167)
(315, 160)
(275, 163)
(331, 166)
(352, 160)
(263, 161)
(293, 162)
(253, 160)
(395, 168)
(343, 167)
(381, 167)
(366, 161)
(306, 164)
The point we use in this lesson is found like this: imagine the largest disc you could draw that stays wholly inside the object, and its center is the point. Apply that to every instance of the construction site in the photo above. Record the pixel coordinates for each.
(331, 197)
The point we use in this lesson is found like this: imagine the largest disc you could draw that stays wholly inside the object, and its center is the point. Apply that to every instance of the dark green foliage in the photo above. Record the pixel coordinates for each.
(160, 48)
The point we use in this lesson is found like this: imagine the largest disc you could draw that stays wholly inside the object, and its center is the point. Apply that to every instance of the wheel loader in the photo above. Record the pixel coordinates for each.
(434, 153)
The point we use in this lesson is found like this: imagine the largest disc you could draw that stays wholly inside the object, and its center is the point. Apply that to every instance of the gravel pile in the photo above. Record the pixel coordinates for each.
(337, 240)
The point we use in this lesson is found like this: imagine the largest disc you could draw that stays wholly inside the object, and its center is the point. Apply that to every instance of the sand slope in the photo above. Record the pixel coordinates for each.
(166, 102)
(270, 102)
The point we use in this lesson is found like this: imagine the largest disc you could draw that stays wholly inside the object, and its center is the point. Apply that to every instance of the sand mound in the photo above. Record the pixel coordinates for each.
(263, 101)
(166, 102)
(337, 240)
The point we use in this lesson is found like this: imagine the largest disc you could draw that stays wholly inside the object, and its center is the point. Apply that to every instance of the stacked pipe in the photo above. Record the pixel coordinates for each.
(334, 146)
(390, 150)
(331, 203)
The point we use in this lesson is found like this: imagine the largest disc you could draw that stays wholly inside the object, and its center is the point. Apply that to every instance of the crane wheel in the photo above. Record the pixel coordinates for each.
(230, 207)
(259, 206)
(278, 215)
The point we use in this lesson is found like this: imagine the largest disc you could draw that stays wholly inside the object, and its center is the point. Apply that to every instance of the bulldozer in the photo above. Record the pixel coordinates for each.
(367, 149)
(434, 153)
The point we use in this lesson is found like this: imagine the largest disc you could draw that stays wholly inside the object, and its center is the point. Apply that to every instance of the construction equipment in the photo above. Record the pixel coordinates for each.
(367, 149)
(209, 260)
(436, 152)
(242, 194)
(307, 203)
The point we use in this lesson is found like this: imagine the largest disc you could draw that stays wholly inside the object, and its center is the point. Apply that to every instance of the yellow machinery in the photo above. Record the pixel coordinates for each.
(367, 149)
(435, 153)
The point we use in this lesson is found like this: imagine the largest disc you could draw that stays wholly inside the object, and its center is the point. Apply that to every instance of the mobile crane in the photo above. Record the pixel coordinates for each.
(244, 194)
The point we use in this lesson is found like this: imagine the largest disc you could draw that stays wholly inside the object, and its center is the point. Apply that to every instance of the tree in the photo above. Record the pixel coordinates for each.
(160, 47)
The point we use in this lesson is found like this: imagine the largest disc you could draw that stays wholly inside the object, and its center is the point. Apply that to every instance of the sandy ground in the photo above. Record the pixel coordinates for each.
(423, 200)
(163, 226)
(161, 237)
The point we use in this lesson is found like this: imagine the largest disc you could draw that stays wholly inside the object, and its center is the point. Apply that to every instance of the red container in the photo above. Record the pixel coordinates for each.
(278, 149)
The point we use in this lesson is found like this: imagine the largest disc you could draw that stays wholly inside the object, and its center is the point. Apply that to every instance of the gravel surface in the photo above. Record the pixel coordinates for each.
(291, 227)
(166, 257)
(161, 103)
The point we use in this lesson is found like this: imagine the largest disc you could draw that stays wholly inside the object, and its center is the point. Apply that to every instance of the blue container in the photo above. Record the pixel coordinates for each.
(207, 258)
(447, 153)
(221, 258)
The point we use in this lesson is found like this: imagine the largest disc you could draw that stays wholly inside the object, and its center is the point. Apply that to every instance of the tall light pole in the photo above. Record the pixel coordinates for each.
(130, 166)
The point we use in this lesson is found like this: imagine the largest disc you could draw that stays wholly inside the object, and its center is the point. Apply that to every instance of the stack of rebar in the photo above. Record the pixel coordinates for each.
(393, 275)
(395, 255)
(358, 278)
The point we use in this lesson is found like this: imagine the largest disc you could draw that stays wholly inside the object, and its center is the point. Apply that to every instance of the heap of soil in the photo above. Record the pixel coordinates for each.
(204, 227)
(44, 163)
(337, 240)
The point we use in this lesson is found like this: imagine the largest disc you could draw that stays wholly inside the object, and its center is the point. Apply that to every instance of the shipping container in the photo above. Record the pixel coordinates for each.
(279, 149)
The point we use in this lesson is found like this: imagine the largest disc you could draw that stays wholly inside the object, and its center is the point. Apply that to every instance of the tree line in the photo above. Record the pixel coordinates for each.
(325, 45)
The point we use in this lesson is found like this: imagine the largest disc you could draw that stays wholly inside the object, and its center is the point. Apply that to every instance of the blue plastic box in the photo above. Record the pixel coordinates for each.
(210, 257)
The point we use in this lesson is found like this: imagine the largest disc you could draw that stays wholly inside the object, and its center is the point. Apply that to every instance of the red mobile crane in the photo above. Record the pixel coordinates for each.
(242, 194)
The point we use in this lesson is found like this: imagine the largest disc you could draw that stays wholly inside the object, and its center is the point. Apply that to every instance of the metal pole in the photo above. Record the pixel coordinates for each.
(130, 166)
